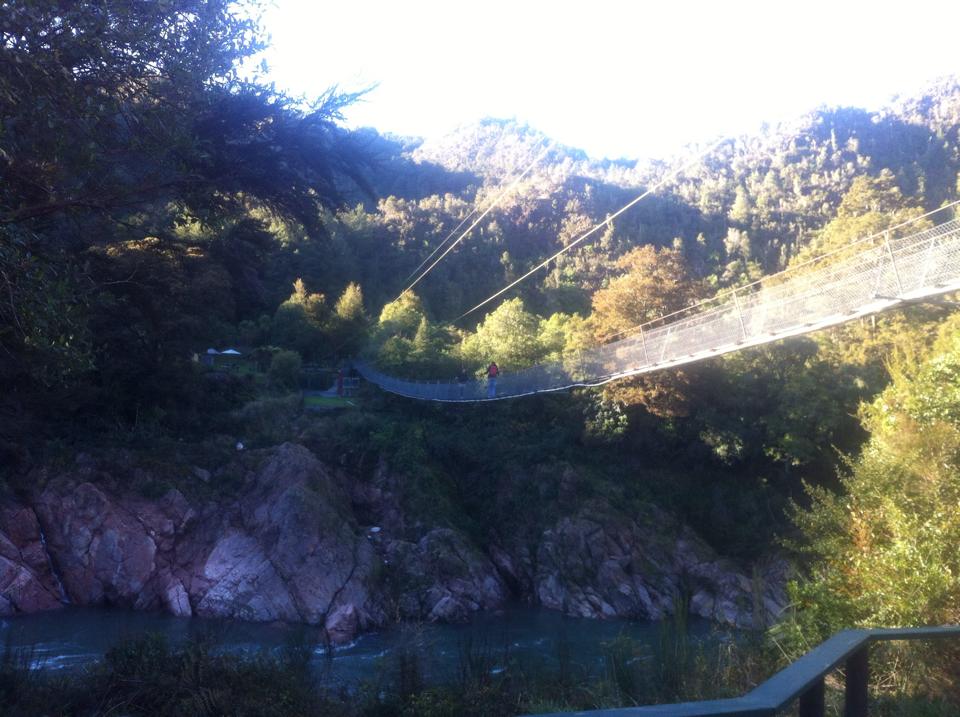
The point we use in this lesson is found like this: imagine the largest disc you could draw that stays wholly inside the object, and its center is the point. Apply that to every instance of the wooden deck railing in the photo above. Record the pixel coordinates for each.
(803, 680)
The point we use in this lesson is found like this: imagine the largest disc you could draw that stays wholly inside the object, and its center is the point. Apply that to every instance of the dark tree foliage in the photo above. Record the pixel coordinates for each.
(132, 158)
(112, 106)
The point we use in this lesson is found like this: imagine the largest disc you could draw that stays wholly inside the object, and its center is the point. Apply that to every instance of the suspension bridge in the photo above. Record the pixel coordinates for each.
(867, 277)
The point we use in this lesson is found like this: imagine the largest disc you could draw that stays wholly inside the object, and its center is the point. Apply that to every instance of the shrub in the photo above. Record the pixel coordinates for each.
(285, 369)
(267, 420)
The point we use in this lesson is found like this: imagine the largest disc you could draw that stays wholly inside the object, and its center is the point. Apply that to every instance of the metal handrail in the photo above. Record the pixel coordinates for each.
(802, 680)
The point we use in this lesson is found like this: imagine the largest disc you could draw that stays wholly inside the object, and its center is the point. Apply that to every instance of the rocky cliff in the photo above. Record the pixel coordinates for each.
(301, 542)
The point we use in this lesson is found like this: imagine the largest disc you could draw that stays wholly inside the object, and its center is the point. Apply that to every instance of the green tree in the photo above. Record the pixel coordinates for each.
(141, 102)
(348, 326)
(131, 145)
(871, 205)
(800, 404)
(393, 356)
(285, 369)
(44, 329)
(404, 341)
(299, 322)
(349, 307)
(401, 317)
(742, 210)
(563, 334)
(430, 355)
(509, 335)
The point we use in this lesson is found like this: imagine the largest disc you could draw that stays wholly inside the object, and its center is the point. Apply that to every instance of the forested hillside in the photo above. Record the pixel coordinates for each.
(158, 205)
(154, 203)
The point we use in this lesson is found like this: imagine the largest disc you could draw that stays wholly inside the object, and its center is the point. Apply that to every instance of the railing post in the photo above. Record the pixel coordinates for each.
(858, 674)
(881, 261)
(666, 340)
(926, 261)
(896, 273)
(643, 340)
(812, 702)
(743, 327)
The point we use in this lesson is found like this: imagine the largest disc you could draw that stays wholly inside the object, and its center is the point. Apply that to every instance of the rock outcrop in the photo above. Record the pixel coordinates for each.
(27, 580)
(296, 541)
(285, 548)
(602, 563)
(442, 577)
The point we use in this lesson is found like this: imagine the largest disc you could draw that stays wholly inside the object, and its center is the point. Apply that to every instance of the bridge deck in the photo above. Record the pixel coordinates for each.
(878, 277)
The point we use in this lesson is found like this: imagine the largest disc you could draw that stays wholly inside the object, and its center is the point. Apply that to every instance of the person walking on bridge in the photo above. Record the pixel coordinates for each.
(492, 372)
(462, 380)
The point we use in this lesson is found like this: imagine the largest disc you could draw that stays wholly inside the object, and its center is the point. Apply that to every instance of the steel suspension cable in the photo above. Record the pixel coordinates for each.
(445, 240)
(479, 219)
(666, 178)
(439, 246)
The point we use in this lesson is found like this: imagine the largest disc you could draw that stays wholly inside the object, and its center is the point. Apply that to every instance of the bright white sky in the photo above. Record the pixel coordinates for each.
(616, 78)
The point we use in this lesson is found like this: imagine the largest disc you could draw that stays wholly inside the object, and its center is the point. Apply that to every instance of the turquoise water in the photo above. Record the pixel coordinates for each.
(515, 639)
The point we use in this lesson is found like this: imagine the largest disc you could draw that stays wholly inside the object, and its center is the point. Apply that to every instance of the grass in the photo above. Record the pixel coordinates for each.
(148, 677)
(327, 402)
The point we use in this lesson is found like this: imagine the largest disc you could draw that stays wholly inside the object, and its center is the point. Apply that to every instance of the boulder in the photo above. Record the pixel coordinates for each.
(442, 577)
(176, 600)
(602, 563)
(27, 579)
(102, 547)
(342, 624)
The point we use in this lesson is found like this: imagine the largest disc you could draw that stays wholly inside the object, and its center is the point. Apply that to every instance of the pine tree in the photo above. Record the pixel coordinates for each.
(349, 306)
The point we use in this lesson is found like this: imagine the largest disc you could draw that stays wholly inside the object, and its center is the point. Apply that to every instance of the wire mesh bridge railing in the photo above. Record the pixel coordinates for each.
(882, 274)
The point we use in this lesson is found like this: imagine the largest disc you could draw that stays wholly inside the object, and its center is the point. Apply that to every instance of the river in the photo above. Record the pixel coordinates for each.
(517, 638)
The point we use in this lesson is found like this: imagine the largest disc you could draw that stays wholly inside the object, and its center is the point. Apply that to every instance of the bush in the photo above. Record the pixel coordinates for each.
(884, 552)
(147, 677)
(267, 420)
(285, 369)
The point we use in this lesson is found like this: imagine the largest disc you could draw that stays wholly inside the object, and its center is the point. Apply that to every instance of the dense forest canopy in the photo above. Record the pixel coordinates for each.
(154, 202)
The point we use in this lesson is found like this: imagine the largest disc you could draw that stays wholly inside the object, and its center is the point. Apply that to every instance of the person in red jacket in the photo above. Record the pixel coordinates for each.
(492, 372)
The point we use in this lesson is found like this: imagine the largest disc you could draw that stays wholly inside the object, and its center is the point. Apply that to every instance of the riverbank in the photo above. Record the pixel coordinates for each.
(88, 661)
(76, 638)
(278, 535)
